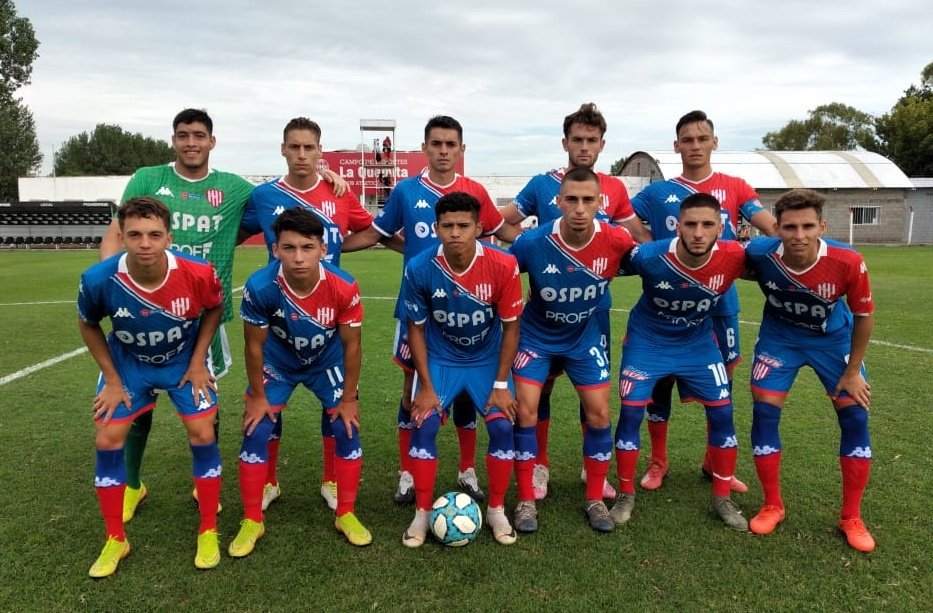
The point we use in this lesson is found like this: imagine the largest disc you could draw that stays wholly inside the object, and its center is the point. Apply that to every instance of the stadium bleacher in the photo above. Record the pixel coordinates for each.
(54, 224)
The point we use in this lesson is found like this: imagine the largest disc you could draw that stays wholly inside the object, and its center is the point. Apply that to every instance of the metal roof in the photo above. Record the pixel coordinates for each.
(789, 169)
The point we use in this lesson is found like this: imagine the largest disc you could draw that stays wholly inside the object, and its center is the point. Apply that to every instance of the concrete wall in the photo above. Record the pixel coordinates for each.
(921, 199)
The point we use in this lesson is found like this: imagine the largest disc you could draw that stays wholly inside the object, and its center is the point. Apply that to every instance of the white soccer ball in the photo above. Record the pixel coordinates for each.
(456, 519)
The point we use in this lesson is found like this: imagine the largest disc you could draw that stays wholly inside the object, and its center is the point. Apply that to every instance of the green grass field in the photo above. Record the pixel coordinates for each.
(673, 555)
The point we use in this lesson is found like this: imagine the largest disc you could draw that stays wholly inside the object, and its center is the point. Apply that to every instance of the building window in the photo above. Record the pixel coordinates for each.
(866, 215)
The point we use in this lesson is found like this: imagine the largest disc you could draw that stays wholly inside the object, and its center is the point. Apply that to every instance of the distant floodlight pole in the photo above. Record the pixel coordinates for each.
(910, 226)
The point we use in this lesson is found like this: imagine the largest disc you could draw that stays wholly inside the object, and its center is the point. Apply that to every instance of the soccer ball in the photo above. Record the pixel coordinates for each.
(455, 519)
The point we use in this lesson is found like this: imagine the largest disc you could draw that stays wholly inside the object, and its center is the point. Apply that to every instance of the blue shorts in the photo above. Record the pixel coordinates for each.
(401, 352)
(450, 380)
(586, 363)
(698, 367)
(325, 383)
(726, 328)
(776, 365)
(143, 382)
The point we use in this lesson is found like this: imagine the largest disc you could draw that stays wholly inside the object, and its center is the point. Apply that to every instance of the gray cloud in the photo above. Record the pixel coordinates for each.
(508, 71)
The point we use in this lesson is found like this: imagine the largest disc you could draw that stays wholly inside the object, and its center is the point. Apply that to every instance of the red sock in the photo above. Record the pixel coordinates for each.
(424, 472)
(541, 434)
(466, 437)
(500, 473)
(329, 451)
(348, 483)
(251, 482)
(626, 462)
(208, 498)
(523, 473)
(657, 432)
(595, 477)
(404, 444)
(272, 450)
(111, 508)
(722, 461)
(768, 468)
(854, 479)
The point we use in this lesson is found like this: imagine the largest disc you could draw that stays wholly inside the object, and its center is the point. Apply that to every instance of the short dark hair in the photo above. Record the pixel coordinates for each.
(299, 220)
(456, 202)
(192, 116)
(700, 200)
(144, 206)
(444, 122)
(799, 199)
(580, 174)
(693, 117)
(301, 123)
(587, 115)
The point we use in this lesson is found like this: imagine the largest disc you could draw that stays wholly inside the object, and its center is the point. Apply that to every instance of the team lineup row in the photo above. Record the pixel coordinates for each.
(461, 342)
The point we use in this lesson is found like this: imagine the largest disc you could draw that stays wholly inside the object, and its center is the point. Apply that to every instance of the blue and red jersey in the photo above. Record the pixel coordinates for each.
(659, 205)
(677, 300)
(461, 312)
(807, 307)
(339, 215)
(302, 328)
(539, 198)
(567, 285)
(157, 326)
(410, 208)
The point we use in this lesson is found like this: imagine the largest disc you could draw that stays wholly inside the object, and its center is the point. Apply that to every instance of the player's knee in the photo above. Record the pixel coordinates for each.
(721, 426)
(500, 433)
(853, 422)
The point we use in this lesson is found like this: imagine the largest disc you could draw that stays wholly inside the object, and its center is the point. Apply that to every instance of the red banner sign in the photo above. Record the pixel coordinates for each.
(377, 172)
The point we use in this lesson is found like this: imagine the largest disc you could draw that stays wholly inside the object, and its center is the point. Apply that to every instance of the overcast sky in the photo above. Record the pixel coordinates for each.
(509, 70)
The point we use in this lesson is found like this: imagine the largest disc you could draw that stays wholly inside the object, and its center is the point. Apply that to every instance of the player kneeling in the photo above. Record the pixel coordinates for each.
(455, 297)
(301, 321)
(164, 308)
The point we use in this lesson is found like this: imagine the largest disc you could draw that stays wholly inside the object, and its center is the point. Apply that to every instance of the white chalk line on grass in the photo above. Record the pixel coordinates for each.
(19, 374)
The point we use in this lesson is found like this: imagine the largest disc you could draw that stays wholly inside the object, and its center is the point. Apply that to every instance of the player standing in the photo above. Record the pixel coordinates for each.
(584, 140)
(410, 208)
(164, 308)
(455, 297)
(670, 334)
(659, 205)
(301, 320)
(806, 322)
(303, 187)
(206, 208)
(570, 262)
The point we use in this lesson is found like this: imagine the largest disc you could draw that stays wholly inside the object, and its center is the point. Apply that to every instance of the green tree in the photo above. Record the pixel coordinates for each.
(832, 126)
(110, 150)
(19, 147)
(905, 133)
(616, 167)
(18, 49)
(19, 152)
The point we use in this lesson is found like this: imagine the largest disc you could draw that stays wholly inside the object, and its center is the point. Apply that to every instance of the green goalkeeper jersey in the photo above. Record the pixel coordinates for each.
(206, 215)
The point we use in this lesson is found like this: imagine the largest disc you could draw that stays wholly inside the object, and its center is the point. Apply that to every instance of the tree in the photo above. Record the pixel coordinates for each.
(19, 148)
(616, 168)
(832, 126)
(109, 150)
(18, 49)
(19, 152)
(905, 133)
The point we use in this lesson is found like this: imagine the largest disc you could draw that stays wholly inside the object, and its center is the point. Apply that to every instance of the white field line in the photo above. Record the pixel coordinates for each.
(19, 374)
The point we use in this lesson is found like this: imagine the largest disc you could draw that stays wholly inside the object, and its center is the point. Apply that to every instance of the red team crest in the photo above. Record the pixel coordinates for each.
(483, 291)
(180, 306)
(215, 197)
(325, 315)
